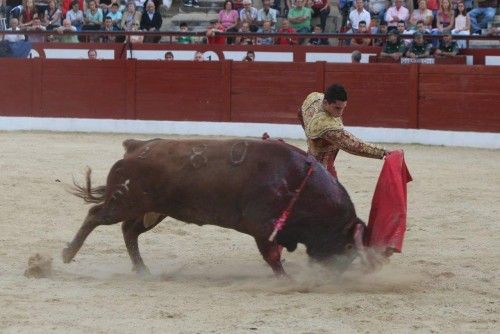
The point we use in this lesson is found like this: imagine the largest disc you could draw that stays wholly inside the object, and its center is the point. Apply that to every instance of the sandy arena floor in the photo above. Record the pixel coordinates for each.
(212, 280)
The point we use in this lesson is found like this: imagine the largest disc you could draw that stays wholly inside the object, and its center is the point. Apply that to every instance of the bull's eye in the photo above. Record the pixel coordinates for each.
(348, 246)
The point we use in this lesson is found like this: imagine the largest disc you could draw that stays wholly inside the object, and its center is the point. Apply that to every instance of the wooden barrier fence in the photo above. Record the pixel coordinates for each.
(449, 97)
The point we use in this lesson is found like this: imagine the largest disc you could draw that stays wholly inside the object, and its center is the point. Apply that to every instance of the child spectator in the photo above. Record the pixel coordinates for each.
(267, 29)
(108, 27)
(183, 27)
(244, 40)
(462, 23)
(316, 40)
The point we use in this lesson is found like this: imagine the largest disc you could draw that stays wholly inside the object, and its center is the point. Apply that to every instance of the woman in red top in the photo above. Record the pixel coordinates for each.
(321, 8)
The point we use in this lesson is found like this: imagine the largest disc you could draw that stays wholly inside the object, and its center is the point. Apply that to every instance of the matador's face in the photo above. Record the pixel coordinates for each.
(336, 109)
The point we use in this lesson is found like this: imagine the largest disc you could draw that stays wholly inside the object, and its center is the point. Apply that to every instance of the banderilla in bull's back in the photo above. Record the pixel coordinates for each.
(245, 185)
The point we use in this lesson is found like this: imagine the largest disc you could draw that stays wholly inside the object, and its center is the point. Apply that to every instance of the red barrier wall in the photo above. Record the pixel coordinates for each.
(445, 97)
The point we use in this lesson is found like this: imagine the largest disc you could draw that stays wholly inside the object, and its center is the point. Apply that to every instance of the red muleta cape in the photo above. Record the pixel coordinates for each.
(387, 222)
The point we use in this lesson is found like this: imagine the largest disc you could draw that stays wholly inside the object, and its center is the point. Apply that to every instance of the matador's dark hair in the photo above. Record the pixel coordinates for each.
(335, 93)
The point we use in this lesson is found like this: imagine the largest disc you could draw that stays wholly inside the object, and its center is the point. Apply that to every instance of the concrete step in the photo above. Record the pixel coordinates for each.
(195, 21)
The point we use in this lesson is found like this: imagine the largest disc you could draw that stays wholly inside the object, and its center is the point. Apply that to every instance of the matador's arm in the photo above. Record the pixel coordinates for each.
(349, 143)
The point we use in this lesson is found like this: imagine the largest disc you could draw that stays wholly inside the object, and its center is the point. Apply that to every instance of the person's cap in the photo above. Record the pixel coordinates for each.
(418, 34)
(393, 32)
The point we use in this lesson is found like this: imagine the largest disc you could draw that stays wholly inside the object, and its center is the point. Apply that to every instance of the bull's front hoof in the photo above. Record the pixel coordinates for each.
(142, 271)
(67, 254)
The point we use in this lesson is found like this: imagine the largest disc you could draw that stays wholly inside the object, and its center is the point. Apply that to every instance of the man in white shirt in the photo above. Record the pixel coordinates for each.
(396, 13)
(266, 13)
(357, 15)
(14, 26)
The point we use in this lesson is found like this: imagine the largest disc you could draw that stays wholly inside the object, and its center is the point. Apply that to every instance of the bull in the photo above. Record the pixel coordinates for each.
(243, 185)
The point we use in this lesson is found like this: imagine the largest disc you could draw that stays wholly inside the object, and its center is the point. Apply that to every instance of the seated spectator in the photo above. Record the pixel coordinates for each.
(198, 56)
(419, 48)
(93, 17)
(27, 13)
(421, 28)
(393, 47)
(421, 14)
(92, 54)
(356, 57)
(486, 9)
(53, 16)
(321, 9)
(266, 13)
(238, 5)
(36, 25)
(357, 15)
(213, 28)
(115, 15)
(14, 26)
(382, 30)
(129, 16)
(169, 56)
(183, 27)
(361, 41)
(244, 40)
(317, 40)
(396, 13)
(151, 21)
(249, 14)
(13, 9)
(75, 15)
(444, 18)
(377, 8)
(401, 29)
(67, 5)
(266, 29)
(136, 39)
(229, 19)
(66, 27)
(462, 24)
(285, 28)
(250, 56)
(108, 27)
(300, 17)
(447, 47)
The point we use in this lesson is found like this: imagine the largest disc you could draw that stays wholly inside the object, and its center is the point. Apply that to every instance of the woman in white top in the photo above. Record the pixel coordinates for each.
(462, 24)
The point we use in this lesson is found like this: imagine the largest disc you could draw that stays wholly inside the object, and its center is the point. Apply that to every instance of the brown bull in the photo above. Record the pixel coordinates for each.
(244, 185)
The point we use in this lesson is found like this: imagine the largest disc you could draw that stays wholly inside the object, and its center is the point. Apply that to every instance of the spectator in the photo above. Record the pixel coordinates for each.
(75, 15)
(14, 26)
(447, 47)
(115, 15)
(28, 12)
(36, 25)
(419, 48)
(183, 27)
(285, 28)
(396, 13)
(444, 18)
(108, 27)
(66, 27)
(377, 8)
(462, 23)
(321, 9)
(361, 41)
(93, 17)
(238, 5)
(266, 13)
(136, 39)
(486, 9)
(382, 30)
(249, 14)
(421, 14)
(169, 56)
(433, 6)
(229, 19)
(52, 16)
(13, 8)
(213, 28)
(92, 54)
(198, 56)
(157, 4)
(357, 15)
(316, 40)
(300, 17)
(250, 56)
(67, 5)
(421, 28)
(393, 47)
(151, 21)
(130, 16)
(267, 28)
(356, 57)
(244, 40)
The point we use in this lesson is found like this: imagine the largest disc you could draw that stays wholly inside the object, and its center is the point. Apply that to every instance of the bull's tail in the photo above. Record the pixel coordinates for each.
(87, 193)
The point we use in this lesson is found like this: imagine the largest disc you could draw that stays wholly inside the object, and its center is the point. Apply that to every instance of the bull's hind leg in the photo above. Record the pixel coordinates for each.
(271, 252)
(94, 218)
(131, 230)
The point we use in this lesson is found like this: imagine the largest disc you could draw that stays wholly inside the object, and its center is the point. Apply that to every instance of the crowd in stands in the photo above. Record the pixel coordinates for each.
(376, 17)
